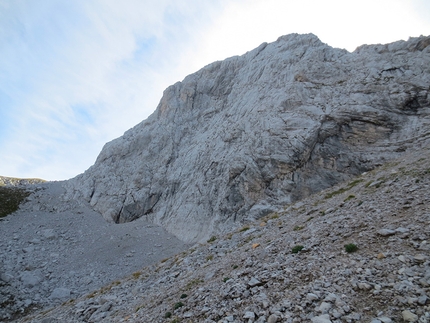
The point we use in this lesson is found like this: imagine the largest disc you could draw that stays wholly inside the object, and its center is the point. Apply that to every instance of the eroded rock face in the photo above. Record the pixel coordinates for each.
(241, 136)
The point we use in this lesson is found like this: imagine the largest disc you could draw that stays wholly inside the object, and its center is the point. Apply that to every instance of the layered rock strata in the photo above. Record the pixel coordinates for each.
(234, 140)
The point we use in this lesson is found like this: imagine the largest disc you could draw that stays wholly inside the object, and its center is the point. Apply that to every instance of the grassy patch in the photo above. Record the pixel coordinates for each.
(10, 199)
(296, 249)
(298, 228)
(351, 247)
(343, 189)
(178, 305)
(350, 197)
(244, 229)
(193, 283)
(212, 239)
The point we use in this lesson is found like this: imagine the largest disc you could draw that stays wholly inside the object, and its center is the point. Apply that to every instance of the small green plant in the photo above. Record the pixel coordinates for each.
(168, 315)
(298, 228)
(193, 283)
(350, 247)
(343, 189)
(136, 274)
(184, 296)
(178, 305)
(244, 229)
(296, 249)
(235, 266)
(212, 239)
(225, 279)
(350, 197)
(209, 258)
(275, 216)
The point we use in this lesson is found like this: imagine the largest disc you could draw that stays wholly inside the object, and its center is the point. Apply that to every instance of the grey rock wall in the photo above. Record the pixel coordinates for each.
(240, 137)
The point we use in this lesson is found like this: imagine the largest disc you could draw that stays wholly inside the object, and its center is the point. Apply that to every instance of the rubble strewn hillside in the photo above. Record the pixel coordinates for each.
(258, 273)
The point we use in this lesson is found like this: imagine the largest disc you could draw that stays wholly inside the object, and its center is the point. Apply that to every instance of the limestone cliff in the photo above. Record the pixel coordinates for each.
(241, 136)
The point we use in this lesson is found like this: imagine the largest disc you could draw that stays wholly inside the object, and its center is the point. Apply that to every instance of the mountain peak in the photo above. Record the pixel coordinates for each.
(243, 136)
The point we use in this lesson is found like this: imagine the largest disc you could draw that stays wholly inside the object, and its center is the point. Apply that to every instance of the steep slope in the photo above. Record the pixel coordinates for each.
(239, 137)
(252, 275)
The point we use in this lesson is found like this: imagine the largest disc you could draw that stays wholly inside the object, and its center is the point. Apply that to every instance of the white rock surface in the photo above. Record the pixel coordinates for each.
(267, 128)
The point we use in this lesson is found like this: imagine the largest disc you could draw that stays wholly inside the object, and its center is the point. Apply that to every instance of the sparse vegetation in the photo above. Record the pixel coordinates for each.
(193, 283)
(136, 274)
(209, 258)
(297, 248)
(244, 229)
(350, 197)
(343, 189)
(10, 199)
(225, 279)
(184, 296)
(212, 239)
(350, 247)
(178, 305)
(298, 228)
(167, 315)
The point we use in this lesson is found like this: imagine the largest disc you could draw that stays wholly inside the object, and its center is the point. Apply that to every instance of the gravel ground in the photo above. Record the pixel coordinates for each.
(253, 275)
(52, 251)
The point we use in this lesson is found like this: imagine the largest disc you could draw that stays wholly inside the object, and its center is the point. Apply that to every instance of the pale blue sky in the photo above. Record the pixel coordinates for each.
(76, 74)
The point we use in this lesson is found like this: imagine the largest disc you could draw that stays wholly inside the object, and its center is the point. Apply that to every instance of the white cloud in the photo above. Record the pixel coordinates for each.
(76, 74)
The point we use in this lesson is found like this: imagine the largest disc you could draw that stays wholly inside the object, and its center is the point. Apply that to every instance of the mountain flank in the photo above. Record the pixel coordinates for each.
(357, 252)
(241, 137)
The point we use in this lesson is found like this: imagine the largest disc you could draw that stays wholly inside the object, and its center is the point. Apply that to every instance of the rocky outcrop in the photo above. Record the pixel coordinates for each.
(12, 181)
(239, 137)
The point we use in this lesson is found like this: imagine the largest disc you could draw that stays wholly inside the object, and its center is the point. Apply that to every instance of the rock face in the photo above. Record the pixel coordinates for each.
(242, 136)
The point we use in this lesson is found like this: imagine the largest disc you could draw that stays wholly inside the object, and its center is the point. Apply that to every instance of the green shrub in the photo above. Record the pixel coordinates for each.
(184, 296)
(350, 247)
(244, 229)
(296, 249)
(225, 279)
(212, 239)
(167, 315)
(298, 228)
(178, 305)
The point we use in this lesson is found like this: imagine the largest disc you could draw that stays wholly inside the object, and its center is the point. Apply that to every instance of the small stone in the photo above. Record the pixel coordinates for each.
(385, 319)
(60, 293)
(386, 232)
(254, 282)
(272, 318)
(422, 300)
(311, 297)
(324, 307)
(49, 234)
(30, 279)
(321, 319)
(6, 277)
(408, 316)
(380, 256)
(420, 258)
(255, 245)
(249, 315)
(364, 286)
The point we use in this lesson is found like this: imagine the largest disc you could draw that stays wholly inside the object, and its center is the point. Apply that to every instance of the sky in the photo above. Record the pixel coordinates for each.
(77, 74)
